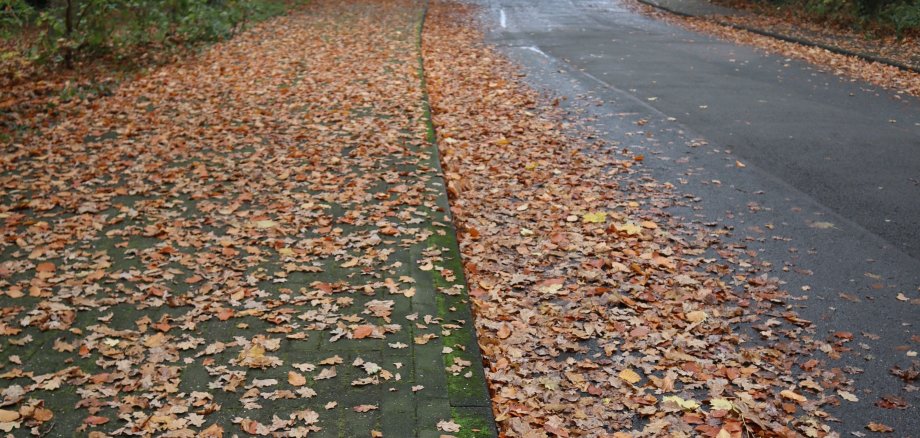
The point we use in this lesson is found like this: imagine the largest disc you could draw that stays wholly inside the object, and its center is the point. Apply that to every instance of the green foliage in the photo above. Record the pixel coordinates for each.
(904, 17)
(74, 29)
(842, 11)
(14, 14)
(898, 16)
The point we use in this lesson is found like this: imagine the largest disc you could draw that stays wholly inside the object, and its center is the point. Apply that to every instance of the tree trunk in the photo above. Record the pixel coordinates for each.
(68, 32)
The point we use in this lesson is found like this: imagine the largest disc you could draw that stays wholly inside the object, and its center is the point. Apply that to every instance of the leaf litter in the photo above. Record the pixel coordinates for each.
(185, 257)
(598, 313)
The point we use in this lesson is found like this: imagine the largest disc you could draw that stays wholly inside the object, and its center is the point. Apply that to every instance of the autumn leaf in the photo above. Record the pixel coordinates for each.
(448, 426)
(266, 223)
(94, 420)
(848, 396)
(326, 373)
(879, 427)
(696, 316)
(629, 228)
(680, 402)
(7, 416)
(721, 404)
(791, 395)
(594, 218)
(333, 360)
(630, 376)
(362, 331)
(296, 379)
(212, 431)
(45, 267)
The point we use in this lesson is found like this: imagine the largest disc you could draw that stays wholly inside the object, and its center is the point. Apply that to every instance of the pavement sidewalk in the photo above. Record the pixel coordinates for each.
(255, 242)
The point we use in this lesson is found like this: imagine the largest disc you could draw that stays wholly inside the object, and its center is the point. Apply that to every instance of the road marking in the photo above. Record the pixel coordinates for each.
(502, 19)
(536, 49)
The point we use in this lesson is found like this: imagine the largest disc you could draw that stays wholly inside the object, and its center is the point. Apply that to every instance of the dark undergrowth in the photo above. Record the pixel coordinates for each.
(873, 18)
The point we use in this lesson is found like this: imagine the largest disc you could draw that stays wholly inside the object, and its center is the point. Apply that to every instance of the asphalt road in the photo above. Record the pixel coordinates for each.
(829, 194)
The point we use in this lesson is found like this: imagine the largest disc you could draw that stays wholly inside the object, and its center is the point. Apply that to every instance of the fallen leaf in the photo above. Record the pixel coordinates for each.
(296, 379)
(448, 426)
(630, 376)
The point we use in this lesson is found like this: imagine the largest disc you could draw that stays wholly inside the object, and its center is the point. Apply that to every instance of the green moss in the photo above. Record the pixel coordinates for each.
(474, 423)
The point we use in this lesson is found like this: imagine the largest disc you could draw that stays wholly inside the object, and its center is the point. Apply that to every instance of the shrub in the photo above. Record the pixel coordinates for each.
(72, 29)
(903, 17)
(14, 14)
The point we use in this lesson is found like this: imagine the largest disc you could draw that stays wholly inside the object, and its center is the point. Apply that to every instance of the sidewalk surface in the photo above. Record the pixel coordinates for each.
(253, 242)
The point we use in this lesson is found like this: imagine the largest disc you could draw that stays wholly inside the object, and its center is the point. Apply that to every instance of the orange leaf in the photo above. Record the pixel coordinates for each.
(296, 379)
(95, 420)
(214, 431)
(363, 331)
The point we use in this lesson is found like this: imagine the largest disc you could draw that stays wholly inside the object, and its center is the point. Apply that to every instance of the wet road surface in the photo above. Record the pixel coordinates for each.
(829, 194)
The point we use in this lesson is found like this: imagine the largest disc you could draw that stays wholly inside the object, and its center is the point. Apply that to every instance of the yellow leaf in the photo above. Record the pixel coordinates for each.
(266, 223)
(684, 404)
(595, 218)
(630, 376)
(629, 228)
(721, 404)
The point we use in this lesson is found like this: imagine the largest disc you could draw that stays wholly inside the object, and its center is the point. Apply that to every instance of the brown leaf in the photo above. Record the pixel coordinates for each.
(94, 420)
(879, 427)
(362, 331)
(213, 431)
(296, 379)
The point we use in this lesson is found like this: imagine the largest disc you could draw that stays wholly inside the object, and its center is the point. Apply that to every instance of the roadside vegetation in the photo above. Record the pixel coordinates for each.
(54, 51)
(873, 18)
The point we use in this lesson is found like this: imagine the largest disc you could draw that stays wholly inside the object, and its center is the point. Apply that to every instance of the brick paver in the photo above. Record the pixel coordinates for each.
(182, 253)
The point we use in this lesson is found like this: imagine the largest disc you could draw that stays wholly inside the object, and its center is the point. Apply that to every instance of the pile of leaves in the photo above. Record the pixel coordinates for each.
(190, 254)
(598, 313)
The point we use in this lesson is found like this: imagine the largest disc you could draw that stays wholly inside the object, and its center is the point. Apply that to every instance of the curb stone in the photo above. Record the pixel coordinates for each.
(468, 397)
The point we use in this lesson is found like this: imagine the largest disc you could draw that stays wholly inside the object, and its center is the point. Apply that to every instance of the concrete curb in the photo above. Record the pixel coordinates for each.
(469, 398)
(791, 39)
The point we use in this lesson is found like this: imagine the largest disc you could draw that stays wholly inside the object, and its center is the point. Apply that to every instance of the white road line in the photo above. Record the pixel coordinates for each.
(536, 49)
(502, 19)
